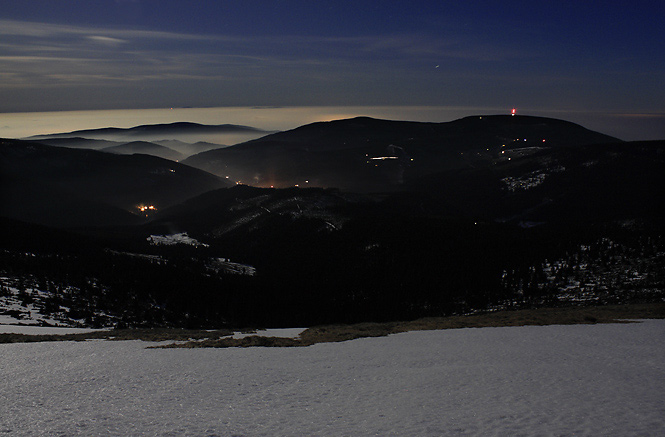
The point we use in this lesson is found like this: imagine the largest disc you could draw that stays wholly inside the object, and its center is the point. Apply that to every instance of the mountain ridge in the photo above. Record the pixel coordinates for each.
(153, 129)
(145, 147)
(73, 187)
(365, 154)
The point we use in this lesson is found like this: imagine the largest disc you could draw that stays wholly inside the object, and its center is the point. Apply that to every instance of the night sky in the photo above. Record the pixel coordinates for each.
(604, 57)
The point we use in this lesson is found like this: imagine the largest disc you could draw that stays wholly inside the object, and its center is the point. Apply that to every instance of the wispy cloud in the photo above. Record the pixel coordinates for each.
(35, 37)
(106, 40)
(49, 30)
(48, 56)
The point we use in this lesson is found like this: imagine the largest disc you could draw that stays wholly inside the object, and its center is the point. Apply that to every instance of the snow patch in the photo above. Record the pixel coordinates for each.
(169, 240)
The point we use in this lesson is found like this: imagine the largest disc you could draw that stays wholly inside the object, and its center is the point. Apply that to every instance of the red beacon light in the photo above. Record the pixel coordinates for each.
(513, 112)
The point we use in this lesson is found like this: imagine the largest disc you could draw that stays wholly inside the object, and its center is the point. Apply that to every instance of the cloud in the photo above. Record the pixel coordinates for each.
(652, 115)
(350, 47)
(106, 40)
(49, 30)
(298, 68)
(25, 28)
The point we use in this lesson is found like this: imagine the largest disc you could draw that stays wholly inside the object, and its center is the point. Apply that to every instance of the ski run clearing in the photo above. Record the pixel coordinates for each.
(605, 379)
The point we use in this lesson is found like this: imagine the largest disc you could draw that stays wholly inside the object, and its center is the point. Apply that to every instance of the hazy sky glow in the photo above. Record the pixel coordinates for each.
(568, 57)
(19, 125)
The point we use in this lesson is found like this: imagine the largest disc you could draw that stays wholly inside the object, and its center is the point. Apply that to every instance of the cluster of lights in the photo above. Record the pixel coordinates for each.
(144, 208)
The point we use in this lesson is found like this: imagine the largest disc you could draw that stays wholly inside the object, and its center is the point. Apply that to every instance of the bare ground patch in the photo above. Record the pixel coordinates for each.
(145, 334)
(184, 338)
(523, 317)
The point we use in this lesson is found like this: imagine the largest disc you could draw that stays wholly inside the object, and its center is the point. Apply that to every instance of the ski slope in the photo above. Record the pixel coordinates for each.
(554, 380)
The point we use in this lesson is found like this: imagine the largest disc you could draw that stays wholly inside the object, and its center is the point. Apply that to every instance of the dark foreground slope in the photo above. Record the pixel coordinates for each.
(569, 184)
(69, 187)
(303, 257)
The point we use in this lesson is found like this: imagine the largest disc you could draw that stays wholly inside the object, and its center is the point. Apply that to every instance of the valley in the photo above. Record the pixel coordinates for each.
(347, 221)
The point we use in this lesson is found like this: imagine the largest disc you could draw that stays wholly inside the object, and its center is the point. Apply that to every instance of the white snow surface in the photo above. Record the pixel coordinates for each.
(595, 380)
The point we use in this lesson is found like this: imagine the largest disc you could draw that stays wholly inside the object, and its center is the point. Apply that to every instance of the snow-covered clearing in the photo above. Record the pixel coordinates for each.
(170, 240)
(551, 380)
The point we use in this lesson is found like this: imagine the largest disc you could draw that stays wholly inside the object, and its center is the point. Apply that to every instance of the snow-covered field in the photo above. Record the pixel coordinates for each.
(554, 380)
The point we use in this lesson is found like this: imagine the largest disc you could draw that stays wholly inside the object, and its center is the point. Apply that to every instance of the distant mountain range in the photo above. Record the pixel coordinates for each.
(390, 220)
(79, 143)
(176, 149)
(365, 154)
(499, 167)
(162, 131)
(183, 137)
